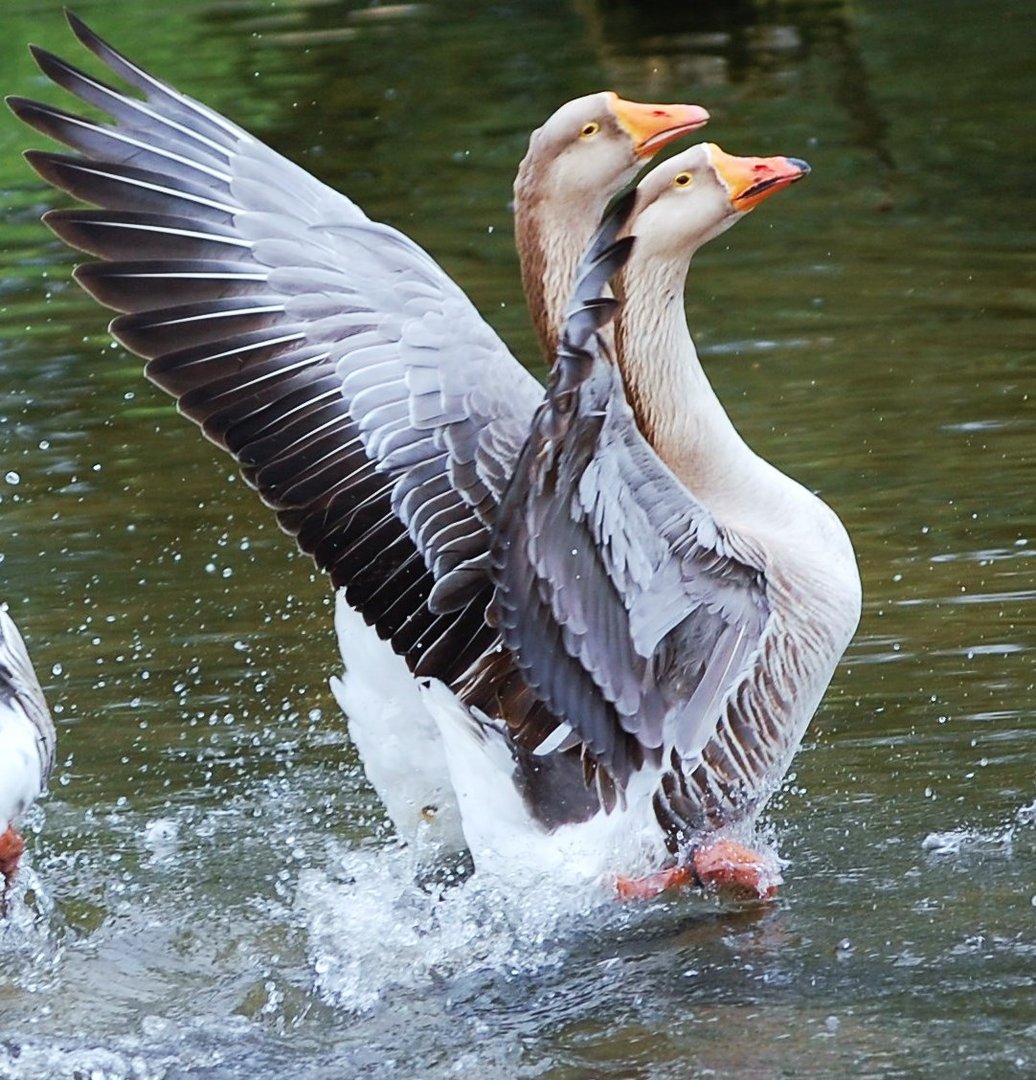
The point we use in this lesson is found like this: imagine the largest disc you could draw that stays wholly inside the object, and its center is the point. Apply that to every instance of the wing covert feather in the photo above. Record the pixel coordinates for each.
(624, 602)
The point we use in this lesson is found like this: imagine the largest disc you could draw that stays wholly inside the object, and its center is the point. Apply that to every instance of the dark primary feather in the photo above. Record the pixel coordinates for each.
(628, 610)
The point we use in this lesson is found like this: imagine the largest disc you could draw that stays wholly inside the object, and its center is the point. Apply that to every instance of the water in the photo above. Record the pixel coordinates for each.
(211, 887)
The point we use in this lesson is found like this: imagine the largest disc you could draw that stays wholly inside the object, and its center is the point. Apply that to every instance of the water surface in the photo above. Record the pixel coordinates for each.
(211, 887)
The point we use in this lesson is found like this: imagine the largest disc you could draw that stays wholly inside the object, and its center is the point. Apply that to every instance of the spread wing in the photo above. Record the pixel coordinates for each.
(362, 394)
(630, 612)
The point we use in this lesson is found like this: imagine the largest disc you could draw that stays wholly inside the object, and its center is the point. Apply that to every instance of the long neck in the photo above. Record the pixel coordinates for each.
(550, 235)
(676, 408)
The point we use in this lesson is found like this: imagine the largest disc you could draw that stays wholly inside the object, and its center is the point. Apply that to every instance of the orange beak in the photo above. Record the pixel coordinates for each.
(653, 126)
(751, 179)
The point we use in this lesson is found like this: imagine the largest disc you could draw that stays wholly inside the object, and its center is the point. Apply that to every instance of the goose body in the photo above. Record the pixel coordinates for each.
(362, 394)
(27, 740)
(787, 548)
(680, 602)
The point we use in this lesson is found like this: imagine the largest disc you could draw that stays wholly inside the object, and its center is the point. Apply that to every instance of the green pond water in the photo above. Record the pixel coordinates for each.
(210, 888)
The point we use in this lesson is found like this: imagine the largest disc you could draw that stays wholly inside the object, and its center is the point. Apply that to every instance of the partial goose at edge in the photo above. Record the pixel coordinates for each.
(27, 744)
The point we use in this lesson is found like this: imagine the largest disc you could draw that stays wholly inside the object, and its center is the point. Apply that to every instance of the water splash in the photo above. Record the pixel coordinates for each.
(30, 936)
(373, 930)
(158, 1051)
(966, 840)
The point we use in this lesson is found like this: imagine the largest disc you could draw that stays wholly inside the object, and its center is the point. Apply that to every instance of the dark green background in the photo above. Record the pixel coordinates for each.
(210, 888)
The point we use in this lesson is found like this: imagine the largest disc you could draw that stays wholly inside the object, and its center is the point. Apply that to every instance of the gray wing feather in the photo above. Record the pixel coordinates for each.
(629, 610)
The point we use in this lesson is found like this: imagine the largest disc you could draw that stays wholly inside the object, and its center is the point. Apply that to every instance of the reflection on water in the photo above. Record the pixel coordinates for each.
(212, 886)
(755, 51)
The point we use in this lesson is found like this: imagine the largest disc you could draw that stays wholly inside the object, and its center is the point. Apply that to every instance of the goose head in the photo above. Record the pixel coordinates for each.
(594, 145)
(698, 194)
(585, 153)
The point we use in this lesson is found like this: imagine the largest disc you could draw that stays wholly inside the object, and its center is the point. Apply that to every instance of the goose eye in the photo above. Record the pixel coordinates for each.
(682, 179)
(590, 130)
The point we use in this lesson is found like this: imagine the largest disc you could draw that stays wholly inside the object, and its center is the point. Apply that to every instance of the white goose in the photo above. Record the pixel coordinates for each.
(366, 400)
(27, 741)
(681, 603)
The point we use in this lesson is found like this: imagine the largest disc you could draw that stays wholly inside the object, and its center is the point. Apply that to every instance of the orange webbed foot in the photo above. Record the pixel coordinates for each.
(736, 871)
(11, 848)
(647, 888)
(722, 866)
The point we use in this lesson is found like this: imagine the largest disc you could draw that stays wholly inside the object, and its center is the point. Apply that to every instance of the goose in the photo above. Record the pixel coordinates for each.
(27, 741)
(678, 600)
(361, 393)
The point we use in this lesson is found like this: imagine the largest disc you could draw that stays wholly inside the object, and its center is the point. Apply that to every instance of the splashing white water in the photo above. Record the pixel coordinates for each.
(30, 941)
(1001, 838)
(372, 930)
